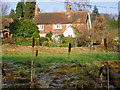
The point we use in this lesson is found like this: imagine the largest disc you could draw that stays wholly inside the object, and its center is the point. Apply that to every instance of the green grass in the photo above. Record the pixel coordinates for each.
(63, 58)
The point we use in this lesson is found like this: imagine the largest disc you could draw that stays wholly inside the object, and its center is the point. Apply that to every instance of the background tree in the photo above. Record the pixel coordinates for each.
(4, 8)
(30, 9)
(23, 28)
(118, 20)
(15, 27)
(95, 13)
(36, 34)
(99, 26)
(112, 22)
(12, 14)
(82, 36)
(20, 10)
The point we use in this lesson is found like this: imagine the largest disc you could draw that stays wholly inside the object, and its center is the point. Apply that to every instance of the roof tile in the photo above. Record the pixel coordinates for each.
(61, 17)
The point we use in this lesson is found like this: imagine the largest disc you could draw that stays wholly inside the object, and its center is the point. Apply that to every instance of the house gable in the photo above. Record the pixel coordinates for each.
(69, 32)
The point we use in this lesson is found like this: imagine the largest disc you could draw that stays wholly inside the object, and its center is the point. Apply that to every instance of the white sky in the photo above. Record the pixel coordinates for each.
(63, 0)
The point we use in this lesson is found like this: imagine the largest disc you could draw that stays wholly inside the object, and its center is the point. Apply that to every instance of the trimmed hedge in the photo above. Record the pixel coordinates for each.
(49, 44)
(63, 45)
(67, 40)
(27, 42)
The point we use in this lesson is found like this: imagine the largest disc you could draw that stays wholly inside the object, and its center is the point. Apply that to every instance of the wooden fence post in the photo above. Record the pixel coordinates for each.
(32, 63)
(101, 75)
(69, 50)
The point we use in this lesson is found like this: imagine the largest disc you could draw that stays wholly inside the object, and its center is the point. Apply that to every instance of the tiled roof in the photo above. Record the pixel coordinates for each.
(61, 17)
(6, 22)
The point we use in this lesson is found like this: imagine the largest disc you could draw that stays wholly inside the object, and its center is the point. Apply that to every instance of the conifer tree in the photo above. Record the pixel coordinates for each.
(30, 9)
(20, 9)
(95, 13)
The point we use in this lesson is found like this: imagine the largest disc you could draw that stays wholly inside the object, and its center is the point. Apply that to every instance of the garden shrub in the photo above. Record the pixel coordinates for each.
(63, 45)
(82, 42)
(96, 43)
(43, 39)
(36, 34)
(37, 42)
(45, 44)
(27, 42)
(113, 48)
(49, 44)
(49, 35)
(24, 42)
(68, 40)
(9, 41)
(110, 47)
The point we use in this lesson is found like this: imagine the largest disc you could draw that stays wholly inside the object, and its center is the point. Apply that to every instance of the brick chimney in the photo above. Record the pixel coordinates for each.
(37, 10)
(68, 12)
(68, 8)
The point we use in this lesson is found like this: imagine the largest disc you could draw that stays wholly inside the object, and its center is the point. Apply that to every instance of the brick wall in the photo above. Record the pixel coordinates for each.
(49, 27)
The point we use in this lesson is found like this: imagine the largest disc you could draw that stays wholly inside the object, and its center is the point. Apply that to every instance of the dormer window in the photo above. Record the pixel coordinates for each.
(41, 27)
(57, 26)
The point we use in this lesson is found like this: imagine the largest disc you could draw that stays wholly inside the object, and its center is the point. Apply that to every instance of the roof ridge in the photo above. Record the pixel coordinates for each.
(51, 12)
(81, 11)
(63, 12)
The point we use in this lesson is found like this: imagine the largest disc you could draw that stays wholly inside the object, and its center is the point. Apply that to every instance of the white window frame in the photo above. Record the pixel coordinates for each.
(68, 25)
(41, 27)
(57, 26)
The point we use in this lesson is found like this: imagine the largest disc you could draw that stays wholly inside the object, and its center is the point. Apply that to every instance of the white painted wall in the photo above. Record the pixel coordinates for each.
(42, 35)
(89, 20)
(40, 27)
(1, 34)
(69, 32)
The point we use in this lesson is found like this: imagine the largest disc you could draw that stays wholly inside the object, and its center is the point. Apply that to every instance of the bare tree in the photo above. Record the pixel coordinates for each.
(4, 8)
(79, 5)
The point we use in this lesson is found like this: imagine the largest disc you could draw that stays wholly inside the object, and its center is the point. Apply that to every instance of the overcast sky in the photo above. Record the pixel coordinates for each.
(104, 6)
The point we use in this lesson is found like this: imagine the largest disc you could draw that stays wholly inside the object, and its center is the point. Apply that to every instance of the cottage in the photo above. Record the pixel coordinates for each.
(4, 27)
(62, 22)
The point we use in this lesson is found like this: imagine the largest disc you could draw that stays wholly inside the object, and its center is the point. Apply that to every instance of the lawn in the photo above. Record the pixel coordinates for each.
(63, 58)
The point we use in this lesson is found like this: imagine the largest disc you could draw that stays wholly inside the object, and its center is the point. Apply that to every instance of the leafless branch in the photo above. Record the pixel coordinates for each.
(4, 8)
(79, 5)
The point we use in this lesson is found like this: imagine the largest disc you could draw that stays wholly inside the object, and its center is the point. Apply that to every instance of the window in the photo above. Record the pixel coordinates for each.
(41, 27)
(69, 35)
(57, 26)
(68, 25)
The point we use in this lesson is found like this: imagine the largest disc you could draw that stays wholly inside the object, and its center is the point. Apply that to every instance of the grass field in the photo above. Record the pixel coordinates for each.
(62, 58)
(13, 53)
